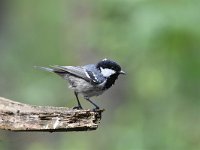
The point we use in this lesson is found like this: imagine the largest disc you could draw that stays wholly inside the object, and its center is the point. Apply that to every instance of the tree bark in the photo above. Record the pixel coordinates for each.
(17, 116)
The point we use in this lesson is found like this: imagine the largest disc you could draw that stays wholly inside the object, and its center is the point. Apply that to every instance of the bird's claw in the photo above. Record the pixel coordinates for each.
(96, 109)
(78, 107)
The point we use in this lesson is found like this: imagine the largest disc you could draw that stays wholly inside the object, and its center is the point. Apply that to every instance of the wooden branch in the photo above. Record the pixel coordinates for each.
(17, 116)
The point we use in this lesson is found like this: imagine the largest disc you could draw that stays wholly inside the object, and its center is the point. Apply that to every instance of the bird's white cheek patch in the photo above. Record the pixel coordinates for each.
(107, 72)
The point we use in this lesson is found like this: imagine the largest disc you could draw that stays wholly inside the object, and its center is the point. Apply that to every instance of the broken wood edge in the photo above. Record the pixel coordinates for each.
(15, 116)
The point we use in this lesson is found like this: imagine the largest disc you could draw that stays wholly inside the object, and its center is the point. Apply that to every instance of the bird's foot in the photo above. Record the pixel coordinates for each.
(96, 109)
(78, 107)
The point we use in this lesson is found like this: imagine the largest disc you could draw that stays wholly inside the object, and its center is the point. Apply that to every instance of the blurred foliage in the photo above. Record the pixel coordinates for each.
(156, 106)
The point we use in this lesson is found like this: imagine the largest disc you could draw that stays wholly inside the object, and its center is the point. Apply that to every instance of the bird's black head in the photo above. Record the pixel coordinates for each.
(110, 70)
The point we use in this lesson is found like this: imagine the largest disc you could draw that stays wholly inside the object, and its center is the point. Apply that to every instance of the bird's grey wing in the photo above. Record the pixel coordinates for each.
(78, 71)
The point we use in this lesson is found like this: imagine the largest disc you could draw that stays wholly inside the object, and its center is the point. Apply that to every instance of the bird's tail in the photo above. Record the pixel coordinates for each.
(44, 68)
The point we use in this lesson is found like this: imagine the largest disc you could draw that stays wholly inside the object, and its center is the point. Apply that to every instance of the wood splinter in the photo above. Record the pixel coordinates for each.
(17, 116)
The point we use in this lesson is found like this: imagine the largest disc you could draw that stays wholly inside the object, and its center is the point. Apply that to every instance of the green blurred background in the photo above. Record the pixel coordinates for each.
(157, 42)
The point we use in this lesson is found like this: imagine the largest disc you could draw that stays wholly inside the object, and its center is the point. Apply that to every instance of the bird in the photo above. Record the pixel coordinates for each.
(89, 80)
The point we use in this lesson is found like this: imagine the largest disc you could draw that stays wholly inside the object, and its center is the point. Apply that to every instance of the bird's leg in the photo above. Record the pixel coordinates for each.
(79, 104)
(96, 107)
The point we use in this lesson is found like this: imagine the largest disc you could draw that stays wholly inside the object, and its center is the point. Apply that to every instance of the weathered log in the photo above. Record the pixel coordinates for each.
(17, 116)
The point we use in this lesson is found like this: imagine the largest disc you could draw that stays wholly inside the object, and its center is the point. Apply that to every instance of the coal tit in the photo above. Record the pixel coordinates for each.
(89, 80)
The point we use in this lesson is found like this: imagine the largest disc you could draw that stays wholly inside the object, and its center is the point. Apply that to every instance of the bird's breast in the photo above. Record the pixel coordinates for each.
(83, 87)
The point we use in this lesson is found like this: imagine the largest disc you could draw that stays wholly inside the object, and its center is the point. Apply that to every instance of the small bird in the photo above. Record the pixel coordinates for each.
(89, 80)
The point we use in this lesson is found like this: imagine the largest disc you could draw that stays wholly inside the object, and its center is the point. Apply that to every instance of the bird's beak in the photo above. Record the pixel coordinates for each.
(122, 72)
